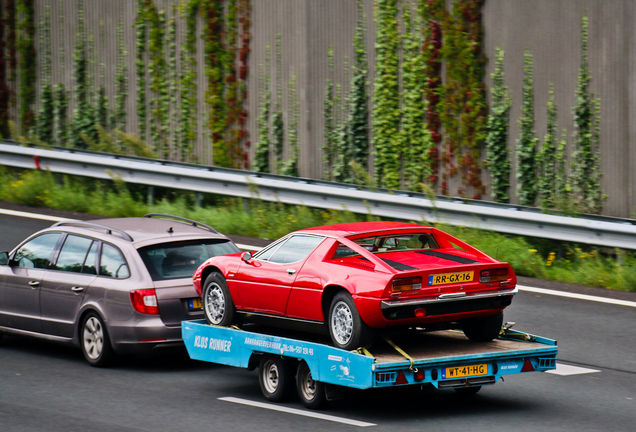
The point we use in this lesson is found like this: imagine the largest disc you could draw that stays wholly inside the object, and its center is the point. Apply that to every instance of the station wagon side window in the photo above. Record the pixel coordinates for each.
(113, 263)
(73, 255)
(295, 249)
(37, 252)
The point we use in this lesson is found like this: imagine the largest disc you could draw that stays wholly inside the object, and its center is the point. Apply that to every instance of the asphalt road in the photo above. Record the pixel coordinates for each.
(48, 387)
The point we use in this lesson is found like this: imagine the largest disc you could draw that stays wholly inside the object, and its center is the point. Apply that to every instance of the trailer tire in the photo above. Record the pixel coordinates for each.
(217, 301)
(276, 378)
(483, 329)
(311, 393)
(467, 391)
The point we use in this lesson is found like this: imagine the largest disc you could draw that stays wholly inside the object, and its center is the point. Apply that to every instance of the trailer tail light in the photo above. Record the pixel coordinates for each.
(407, 284)
(493, 275)
(145, 301)
(419, 375)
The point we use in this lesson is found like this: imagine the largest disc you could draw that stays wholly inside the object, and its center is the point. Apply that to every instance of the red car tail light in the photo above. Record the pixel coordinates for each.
(407, 284)
(493, 275)
(145, 301)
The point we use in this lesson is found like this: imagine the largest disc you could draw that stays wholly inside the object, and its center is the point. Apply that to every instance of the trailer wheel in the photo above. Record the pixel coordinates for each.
(467, 391)
(311, 392)
(217, 301)
(483, 329)
(275, 375)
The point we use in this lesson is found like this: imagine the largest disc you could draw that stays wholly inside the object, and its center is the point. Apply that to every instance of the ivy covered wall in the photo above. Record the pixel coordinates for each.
(391, 93)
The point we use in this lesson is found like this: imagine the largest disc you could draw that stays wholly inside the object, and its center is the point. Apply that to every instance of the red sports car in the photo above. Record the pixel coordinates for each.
(358, 277)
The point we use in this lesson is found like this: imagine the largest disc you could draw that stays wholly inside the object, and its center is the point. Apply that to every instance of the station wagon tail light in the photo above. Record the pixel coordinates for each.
(493, 275)
(407, 284)
(145, 301)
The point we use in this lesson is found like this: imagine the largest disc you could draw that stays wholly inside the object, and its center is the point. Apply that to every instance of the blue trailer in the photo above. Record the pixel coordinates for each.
(443, 359)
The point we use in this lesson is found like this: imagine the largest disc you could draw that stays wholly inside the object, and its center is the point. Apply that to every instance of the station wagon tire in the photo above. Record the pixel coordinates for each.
(276, 378)
(311, 393)
(95, 342)
(217, 301)
(346, 328)
(483, 329)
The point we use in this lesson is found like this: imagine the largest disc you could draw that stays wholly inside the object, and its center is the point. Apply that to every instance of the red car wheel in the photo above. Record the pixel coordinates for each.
(217, 301)
(346, 328)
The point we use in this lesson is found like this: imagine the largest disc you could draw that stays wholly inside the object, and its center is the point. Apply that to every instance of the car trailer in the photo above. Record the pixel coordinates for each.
(443, 359)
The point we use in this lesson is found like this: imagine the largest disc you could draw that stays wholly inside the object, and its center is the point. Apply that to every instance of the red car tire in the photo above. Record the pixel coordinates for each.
(217, 301)
(346, 328)
(483, 329)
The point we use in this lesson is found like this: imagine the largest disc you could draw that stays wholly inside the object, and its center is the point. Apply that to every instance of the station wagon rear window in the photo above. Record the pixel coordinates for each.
(180, 259)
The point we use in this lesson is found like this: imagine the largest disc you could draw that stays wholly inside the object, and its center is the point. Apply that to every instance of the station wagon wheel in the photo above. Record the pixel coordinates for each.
(94, 341)
(483, 329)
(346, 328)
(311, 392)
(275, 376)
(217, 301)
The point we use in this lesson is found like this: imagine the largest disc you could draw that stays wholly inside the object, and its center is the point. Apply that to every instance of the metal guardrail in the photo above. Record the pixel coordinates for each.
(504, 218)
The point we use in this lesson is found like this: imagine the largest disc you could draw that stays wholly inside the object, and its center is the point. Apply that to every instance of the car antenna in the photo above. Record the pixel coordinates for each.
(170, 230)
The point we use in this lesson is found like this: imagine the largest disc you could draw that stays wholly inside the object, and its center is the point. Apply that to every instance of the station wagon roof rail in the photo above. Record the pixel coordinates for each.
(86, 224)
(182, 219)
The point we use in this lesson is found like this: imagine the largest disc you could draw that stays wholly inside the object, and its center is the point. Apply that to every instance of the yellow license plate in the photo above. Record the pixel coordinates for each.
(448, 278)
(464, 371)
(195, 304)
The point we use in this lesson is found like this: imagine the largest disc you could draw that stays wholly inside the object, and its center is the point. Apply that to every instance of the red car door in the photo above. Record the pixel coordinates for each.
(264, 282)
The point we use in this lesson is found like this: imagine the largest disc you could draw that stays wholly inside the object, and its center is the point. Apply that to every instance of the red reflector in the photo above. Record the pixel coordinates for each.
(527, 366)
(420, 312)
(401, 379)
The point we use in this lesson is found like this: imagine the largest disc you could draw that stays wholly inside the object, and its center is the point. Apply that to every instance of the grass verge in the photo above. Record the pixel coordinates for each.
(532, 257)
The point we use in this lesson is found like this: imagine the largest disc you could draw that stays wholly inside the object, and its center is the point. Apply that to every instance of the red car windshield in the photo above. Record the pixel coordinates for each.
(397, 242)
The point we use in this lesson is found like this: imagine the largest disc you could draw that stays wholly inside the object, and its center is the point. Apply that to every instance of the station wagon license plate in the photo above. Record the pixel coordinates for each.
(195, 304)
(464, 371)
(447, 278)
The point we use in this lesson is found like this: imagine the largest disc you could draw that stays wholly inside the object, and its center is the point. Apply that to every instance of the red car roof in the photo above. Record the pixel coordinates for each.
(347, 229)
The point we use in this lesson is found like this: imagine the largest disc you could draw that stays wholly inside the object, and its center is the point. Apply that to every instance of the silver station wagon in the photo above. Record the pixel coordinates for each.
(110, 286)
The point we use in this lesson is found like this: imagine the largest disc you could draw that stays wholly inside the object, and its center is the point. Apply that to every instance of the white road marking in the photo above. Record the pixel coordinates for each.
(577, 296)
(33, 215)
(311, 414)
(566, 370)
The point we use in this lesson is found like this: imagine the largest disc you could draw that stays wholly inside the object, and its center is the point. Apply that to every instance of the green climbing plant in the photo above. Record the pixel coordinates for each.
(498, 161)
(586, 172)
(386, 103)
(415, 138)
(527, 142)
(547, 159)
